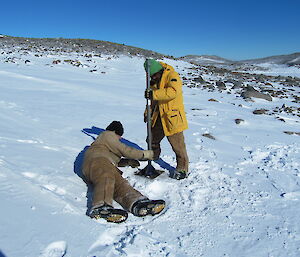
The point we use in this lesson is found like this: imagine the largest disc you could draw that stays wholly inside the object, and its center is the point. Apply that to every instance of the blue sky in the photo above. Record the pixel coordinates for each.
(231, 29)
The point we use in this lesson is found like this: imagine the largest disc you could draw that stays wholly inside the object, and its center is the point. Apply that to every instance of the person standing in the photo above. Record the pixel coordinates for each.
(167, 113)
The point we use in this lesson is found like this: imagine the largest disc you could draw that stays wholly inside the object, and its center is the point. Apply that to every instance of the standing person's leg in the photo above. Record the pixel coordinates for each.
(179, 147)
(157, 135)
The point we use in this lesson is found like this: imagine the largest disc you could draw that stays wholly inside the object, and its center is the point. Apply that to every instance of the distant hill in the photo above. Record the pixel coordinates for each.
(289, 59)
(105, 47)
(205, 59)
(74, 45)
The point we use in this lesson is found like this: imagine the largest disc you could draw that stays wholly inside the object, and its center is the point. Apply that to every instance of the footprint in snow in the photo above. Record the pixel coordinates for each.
(294, 196)
(55, 249)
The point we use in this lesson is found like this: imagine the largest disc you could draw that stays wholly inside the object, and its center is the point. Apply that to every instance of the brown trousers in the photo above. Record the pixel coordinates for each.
(177, 143)
(109, 185)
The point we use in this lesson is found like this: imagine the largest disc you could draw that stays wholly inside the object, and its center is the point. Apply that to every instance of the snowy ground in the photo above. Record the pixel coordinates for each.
(242, 197)
(278, 70)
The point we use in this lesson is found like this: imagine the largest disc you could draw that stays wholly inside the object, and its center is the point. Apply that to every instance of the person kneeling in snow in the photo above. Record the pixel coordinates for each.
(100, 169)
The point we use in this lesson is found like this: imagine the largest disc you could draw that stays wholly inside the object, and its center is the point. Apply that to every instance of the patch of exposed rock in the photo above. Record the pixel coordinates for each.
(292, 133)
(209, 136)
(239, 121)
(260, 111)
(250, 92)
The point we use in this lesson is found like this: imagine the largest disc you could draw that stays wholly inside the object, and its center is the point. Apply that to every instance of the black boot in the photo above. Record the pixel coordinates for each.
(145, 207)
(109, 213)
(179, 175)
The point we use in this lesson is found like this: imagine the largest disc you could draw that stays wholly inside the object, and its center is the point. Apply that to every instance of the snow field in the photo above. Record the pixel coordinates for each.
(242, 195)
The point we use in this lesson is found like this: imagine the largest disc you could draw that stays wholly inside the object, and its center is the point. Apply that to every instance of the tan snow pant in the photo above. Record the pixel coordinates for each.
(109, 184)
(177, 143)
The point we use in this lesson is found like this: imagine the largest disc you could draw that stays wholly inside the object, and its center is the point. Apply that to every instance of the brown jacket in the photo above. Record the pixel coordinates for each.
(108, 145)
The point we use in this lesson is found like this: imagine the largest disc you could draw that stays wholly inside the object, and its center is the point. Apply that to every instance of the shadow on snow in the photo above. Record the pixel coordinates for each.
(1, 254)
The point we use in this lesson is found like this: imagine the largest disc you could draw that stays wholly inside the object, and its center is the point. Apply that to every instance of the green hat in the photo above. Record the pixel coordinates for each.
(154, 66)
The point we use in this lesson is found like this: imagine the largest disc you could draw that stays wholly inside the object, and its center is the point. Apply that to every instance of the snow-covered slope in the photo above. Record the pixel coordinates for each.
(288, 59)
(205, 59)
(242, 197)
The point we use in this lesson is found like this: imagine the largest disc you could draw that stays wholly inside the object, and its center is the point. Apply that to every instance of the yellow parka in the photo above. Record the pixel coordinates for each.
(168, 95)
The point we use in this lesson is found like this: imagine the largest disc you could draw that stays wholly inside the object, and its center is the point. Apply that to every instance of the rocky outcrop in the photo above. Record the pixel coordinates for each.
(250, 92)
(260, 111)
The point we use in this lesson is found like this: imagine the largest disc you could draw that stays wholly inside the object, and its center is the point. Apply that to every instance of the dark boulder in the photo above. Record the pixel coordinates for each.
(250, 92)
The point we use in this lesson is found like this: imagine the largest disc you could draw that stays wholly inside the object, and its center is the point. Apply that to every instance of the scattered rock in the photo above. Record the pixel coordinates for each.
(292, 110)
(212, 100)
(260, 111)
(184, 78)
(56, 62)
(209, 136)
(237, 84)
(75, 63)
(239, 121)
(221, 85)
(268, 84)
(209, 86)
(297, 99)
(199, 79)
(281, 119)
(251, 92)
(292, 133)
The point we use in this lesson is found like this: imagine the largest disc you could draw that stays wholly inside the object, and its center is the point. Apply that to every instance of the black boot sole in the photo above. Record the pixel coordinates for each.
(113, 215)
(153, 207)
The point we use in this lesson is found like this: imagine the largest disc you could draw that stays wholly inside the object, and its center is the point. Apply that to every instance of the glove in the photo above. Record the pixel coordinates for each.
(149, 94)
(148, 154)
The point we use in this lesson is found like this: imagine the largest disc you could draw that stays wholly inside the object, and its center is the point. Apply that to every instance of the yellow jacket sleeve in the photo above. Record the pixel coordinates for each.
(169, 88)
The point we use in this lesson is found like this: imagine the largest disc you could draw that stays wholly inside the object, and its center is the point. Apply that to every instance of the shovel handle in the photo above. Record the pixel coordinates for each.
(149, 134)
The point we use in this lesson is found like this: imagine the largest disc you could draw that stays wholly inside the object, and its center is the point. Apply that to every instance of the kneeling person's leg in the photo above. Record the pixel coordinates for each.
(103, 181)
(124, 193)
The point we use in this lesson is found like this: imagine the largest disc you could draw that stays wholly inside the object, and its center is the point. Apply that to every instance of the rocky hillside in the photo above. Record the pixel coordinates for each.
(242, 79)
(205, 59)
(249, 86)
(290, 60)
(62, 45)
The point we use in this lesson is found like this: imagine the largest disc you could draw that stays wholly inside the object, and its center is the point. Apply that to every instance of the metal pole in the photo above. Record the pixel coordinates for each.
(149, 134)
(149, 171)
